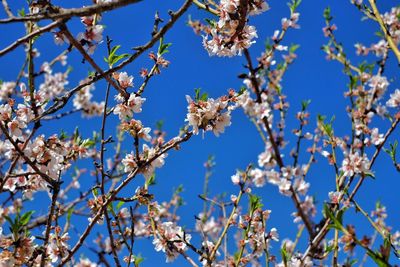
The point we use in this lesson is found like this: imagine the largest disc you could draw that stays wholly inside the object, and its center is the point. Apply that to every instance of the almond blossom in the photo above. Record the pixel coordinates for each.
(133, 105)
(394, 100)
(258, 177)
(83, 101)
(171, 239)
(355, 164)
(130, 161)
(231, 35)
(209, 115)
(6, 90)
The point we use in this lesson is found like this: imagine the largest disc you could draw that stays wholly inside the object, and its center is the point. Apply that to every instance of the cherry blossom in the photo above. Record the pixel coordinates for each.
(133, 105)
(355, 164)
(209, 115)
(171, 239)
(394, 100)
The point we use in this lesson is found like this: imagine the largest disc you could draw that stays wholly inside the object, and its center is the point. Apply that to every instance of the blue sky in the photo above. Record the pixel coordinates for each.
(310, 77)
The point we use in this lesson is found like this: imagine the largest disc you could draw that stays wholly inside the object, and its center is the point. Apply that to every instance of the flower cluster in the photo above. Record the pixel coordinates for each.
(392, 21)
(125, 109)
(209, 114)
(354, 164)
(231, 34)
(93, 34)
(58, 245)
(149, 157)
(394, 100)
(171, 239)
(54, 84)
(6, 90)
(16, 250)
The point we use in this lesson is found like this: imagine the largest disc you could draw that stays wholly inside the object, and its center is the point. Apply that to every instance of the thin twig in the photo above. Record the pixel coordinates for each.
(29, 36)
(63, 100)
(61, 13)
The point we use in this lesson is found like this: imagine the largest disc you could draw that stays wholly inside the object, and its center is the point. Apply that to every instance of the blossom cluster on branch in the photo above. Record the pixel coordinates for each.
(73, 175)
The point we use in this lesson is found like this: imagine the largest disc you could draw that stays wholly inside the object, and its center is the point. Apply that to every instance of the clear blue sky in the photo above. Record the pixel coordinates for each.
(311, 77)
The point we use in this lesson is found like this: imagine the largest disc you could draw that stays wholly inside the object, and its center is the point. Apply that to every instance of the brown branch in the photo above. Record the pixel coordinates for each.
(45, 177)
(62, 13)
(308, 223)
(29, 36)
(374, 157)
(89, 59)
(63, 100)
(102, 171)
(15, 161)
(388, 37)
(56, 190)
(325, 228)
(171, 144)
(7, 8)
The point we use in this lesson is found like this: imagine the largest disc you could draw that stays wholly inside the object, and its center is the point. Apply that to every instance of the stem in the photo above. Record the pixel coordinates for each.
(228, 222)
(390, 40)
(206, 7)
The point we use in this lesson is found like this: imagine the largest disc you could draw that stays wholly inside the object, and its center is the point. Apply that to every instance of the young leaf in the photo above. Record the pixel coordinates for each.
(25, 218)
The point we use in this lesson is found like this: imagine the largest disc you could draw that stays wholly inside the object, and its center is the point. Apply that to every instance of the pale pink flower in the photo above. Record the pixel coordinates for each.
(170, 239)
(334, 197)
(394, 100)
(273, 234)
(355, 164)
(129, 162)
(258, 177)
(124, 80)
(235, 178)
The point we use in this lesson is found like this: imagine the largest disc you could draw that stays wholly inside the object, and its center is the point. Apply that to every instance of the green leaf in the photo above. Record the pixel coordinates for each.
(179, 190)
(138, 260)
(268, 45)
(111, 209)
(377, 258)
(88, 143)
(76, 135)
(113, 58)
(284, 254)
(21, 12)
(211, 22)
(197, 94)
(336, 221)
(151, 180)
(255, 203)
(327, 14)
(163, 47)
(305, 104)
(159, 125)
(294, 5)
(369, 173)
(200, 97)
(353, 81)
(351, 262)
(69, 214)
(25, 218)
(387, 245)
(119, 205)
(293, 48)
(328, 249)
(204, 97)
(365, 67)
(242, 90)
(63, 135)
(392, 150)
(326, 127)
(118, 58)
(95, 192)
